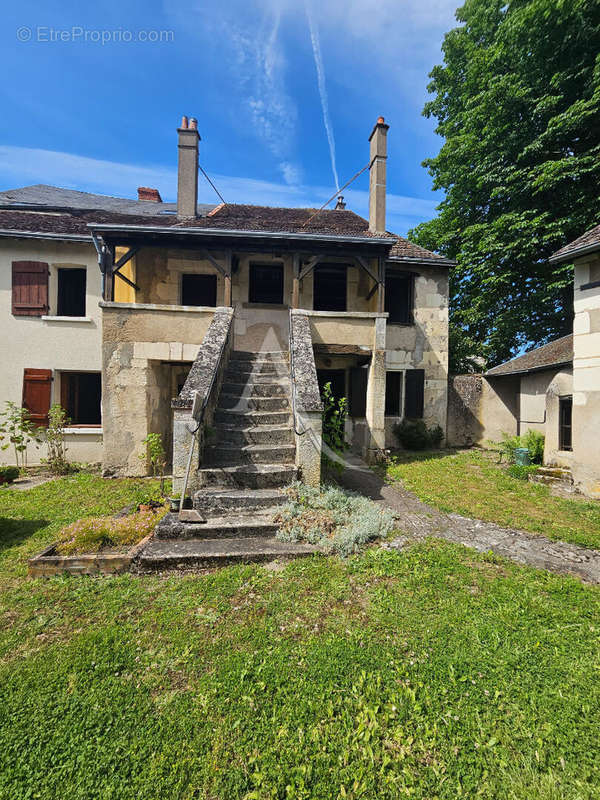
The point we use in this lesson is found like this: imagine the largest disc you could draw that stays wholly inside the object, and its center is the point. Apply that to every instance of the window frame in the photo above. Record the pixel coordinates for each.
(253, 284)
(66, 376)
(61, 271)
(184, 275)
(401, 374)
(392, 273)
(563, 401)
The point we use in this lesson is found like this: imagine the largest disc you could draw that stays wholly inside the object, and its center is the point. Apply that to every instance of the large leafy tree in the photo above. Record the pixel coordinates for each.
(517, 101)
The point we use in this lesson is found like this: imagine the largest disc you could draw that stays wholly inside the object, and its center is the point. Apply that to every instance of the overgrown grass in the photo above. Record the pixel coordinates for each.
(431, 673)
(472, 484)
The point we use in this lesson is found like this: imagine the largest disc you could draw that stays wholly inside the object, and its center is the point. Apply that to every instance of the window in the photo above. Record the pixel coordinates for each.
(330, 287)
(199, 290)
(393, 394)
(415, 393)
(266, 284)
(565, 422)
(80, 396)
(29, 288)
(71, 293)
(399, 297)
(37, 387)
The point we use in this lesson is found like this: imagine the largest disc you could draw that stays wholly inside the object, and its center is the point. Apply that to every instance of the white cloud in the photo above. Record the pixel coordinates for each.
(22, 165)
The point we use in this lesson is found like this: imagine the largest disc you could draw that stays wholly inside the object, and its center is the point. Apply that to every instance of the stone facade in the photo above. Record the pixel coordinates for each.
(586, 375)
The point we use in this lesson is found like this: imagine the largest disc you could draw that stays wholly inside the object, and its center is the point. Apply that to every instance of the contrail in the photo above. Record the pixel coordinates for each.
(316, 46)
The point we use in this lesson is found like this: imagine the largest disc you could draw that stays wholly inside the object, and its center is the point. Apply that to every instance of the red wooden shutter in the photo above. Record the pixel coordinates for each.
(29, 288)
(37, 384)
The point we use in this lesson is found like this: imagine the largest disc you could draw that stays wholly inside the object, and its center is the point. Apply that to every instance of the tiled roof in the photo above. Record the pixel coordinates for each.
(405, 249)
(587, 242)
(553, 354)
(42, 194)
(69, 223)
(238, 217)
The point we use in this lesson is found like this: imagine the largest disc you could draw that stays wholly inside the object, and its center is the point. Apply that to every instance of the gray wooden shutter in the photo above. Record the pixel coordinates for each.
(358, 391)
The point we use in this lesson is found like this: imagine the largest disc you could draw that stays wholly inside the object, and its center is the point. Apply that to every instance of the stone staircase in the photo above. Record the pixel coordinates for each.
(248, 459)
(555, 477)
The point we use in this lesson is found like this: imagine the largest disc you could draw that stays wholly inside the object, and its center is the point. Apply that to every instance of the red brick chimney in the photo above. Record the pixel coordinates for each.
(151, 195)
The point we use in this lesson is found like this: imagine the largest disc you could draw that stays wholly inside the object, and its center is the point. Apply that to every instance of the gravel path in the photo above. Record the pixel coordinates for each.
(417, 520)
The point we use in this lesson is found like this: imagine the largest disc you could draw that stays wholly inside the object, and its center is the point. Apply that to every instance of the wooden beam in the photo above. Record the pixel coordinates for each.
(127, 281)
(365, 265)
(215, 263)
(373, 290)
(296, 281)
(126, 257)
(227, 291)
(309, 266)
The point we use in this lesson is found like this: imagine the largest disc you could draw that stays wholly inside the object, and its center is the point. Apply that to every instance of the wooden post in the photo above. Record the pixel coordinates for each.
(227, 293)
(108, 262)
(381, 289)
(296, 281)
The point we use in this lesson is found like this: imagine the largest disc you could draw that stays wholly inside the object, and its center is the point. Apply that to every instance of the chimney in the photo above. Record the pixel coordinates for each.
(377, 179)
(187, 168)
(151, 195)
(340, 205)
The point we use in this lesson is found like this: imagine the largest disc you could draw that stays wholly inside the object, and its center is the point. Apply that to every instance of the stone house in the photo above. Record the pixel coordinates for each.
(554, 389)
(229, 318)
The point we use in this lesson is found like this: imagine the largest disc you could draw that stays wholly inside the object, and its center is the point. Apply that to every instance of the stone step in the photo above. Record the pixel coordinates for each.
(555, 472)
(181, 554)
(252, 389)
(231, 526)
(262, 434)
(240, 501)
(252, 403)
(248, 419)
(248, 476)
(253, 357)
(232, 455)
(255, 377)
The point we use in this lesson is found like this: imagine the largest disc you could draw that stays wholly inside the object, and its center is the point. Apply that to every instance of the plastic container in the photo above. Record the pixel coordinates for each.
(522, 456)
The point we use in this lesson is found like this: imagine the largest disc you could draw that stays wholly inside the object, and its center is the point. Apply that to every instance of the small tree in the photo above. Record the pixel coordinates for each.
(17, 431)
(334, 421)
(55, 440)
(155, 454)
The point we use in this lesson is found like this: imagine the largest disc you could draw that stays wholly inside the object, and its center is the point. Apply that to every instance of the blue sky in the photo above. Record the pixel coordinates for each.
(261, 77)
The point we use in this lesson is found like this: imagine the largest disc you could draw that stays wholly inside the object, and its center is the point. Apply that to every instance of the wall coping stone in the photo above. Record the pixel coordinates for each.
(344, 314)
(207, 361)
(308, 397)
(162, 307)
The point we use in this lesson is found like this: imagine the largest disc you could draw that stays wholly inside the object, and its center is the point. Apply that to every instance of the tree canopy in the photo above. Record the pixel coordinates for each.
(517, 101)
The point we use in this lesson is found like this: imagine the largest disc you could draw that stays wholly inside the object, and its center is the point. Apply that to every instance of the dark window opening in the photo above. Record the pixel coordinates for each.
(81, 394)
(266, 284)
(393, 394)
(399, 298)
(565, 431)
(71, 293)
(198, 290)
(415, 393)
(330, 290)
(337, 379)
(359, 378)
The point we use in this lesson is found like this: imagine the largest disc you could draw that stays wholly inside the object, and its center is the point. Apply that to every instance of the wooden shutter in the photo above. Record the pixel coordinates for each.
(29, 288)
(37, 384)
(358, 391)
(415, 391)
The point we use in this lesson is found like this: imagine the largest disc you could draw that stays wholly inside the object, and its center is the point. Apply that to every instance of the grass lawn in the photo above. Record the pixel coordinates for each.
(473, 484)
(430, 673)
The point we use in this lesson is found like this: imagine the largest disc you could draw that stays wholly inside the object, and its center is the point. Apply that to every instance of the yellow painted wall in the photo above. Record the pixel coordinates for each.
(123, 292)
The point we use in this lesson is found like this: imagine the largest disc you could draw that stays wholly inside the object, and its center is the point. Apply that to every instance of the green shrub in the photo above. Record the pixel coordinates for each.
(521, 472)
(335, 520)
(334, 422)
(9, 474)
(413, 434)
(92, 534)
(532, 440)
(55, 441)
